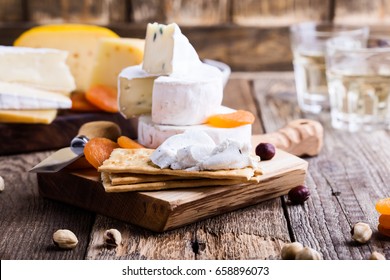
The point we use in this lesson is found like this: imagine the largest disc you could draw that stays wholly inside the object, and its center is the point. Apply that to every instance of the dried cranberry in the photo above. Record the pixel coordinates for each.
(299, 194)
(265, 151)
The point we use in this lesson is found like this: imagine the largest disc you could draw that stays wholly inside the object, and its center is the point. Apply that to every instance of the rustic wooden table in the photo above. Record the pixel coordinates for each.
(346, 179)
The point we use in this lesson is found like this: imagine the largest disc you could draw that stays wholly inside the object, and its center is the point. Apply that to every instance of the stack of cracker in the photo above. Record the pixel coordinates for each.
(132, 170)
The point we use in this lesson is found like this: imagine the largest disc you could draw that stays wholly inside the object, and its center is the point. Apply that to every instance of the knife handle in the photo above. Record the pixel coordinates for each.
(91, 130)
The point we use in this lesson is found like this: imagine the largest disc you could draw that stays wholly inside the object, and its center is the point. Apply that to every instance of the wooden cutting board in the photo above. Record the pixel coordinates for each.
(168, 209)
(19, 138)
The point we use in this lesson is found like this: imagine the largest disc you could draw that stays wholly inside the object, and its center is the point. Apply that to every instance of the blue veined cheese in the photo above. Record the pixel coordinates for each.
(167, 50)
(15, 96)
(135, 88)
(187, 98)
(152, 135)
(41, 68)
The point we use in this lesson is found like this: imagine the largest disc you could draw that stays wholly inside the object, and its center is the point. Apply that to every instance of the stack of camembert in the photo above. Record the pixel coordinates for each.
(172, 91)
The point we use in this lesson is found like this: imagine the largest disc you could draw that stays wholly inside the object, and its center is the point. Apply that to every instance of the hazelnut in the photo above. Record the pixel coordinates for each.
(299, 194)
(289, 251)
(112, 237)
(65, 239)
(377, 256)
(361, 232)
(265, 151)
(308, 254)
(1, 184)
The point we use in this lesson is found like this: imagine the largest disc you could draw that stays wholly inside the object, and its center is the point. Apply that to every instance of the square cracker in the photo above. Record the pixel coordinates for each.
(128, 178)
(152, 186)
(138, 161)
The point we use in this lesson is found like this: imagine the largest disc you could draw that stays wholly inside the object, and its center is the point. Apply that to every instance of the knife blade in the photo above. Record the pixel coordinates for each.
(65, 156)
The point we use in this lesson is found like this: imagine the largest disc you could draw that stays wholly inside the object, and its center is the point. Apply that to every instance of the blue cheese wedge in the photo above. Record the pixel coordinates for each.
(15, 96)
(167, 50)
(41, 68)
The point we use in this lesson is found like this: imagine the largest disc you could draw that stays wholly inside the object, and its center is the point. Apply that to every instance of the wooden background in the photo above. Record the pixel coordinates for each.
(249, 35)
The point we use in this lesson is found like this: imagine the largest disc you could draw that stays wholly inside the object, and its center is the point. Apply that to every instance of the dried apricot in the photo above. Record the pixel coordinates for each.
(383, 230)
(103, 97)
(238, 118)
(383, 206)
(127, 143)
(384, 220)
(98, 150)
(80, 103)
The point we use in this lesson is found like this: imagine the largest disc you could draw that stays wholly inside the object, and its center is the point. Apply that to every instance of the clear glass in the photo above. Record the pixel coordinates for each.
(308, 43)
(359, 83)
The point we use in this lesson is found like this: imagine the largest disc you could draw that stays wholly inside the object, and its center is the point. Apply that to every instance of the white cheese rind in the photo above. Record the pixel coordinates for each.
(15, 96)
(152, 135)
(135, 88)
(187, 98)
(41, 68)
(167, 50)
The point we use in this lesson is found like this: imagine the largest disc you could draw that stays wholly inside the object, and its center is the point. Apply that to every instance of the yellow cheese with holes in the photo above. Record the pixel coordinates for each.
(81, 41)
(27, 116)
(113, 55)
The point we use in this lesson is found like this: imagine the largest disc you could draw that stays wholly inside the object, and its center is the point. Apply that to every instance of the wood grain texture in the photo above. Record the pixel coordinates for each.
(346, 178)
(28, 221)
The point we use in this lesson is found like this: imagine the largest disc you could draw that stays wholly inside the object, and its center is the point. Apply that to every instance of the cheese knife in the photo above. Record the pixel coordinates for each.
(65, 156)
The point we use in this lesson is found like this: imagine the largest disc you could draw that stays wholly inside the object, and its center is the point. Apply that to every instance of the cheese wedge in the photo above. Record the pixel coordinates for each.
(81, 41)
(27, 116)
(113, 55)
(152, 135)
(167, 50)
(41, 68)
(15, 96)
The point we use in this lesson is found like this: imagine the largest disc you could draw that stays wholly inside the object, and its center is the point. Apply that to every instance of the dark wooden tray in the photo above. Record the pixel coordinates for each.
(23, 138)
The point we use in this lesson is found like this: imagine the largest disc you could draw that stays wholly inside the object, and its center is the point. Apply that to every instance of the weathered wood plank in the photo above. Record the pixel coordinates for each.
(345, 179)
(27, 221)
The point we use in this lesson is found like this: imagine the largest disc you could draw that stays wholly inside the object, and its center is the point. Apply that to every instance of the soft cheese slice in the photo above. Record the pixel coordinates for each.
(167, 50)
(42, 68)
(135, 88)
(28, 116)
(15, 96)
(113, 55)
(79, 40)
(152, 135)
(188, 98)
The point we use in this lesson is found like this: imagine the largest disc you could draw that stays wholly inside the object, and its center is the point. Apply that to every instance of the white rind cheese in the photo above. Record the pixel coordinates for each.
(188, 98)
(167, 50)
(135, 88)
(152, 135)
(40, 68)
(15, 96)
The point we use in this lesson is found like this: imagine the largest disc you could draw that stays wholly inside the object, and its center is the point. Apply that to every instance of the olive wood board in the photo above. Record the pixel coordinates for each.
(168, 209)
(22, 138)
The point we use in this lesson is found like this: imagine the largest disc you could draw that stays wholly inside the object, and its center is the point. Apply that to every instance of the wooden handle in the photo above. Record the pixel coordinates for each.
(299, 137)
(104, 129)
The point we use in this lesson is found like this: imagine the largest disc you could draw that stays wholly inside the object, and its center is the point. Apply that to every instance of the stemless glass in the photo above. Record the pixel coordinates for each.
(308, 41)
(359, 83)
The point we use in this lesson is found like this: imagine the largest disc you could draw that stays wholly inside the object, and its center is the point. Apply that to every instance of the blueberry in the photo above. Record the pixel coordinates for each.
(299, 194)
(265, 151)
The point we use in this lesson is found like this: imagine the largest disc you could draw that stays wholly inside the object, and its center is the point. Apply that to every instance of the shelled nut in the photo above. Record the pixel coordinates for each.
(65, 239)
(1, 184)
(289, 251)
(112, 237)
(377, 256)
(308, 254)
(361, 232)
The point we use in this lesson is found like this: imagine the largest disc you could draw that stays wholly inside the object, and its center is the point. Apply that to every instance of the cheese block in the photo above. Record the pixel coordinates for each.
(28, 116)
(81, 41)
(113, 55)
(187, 98)
(167, 50)
(15, 96)
(135, 88)
(152, 135)
(42, 68)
